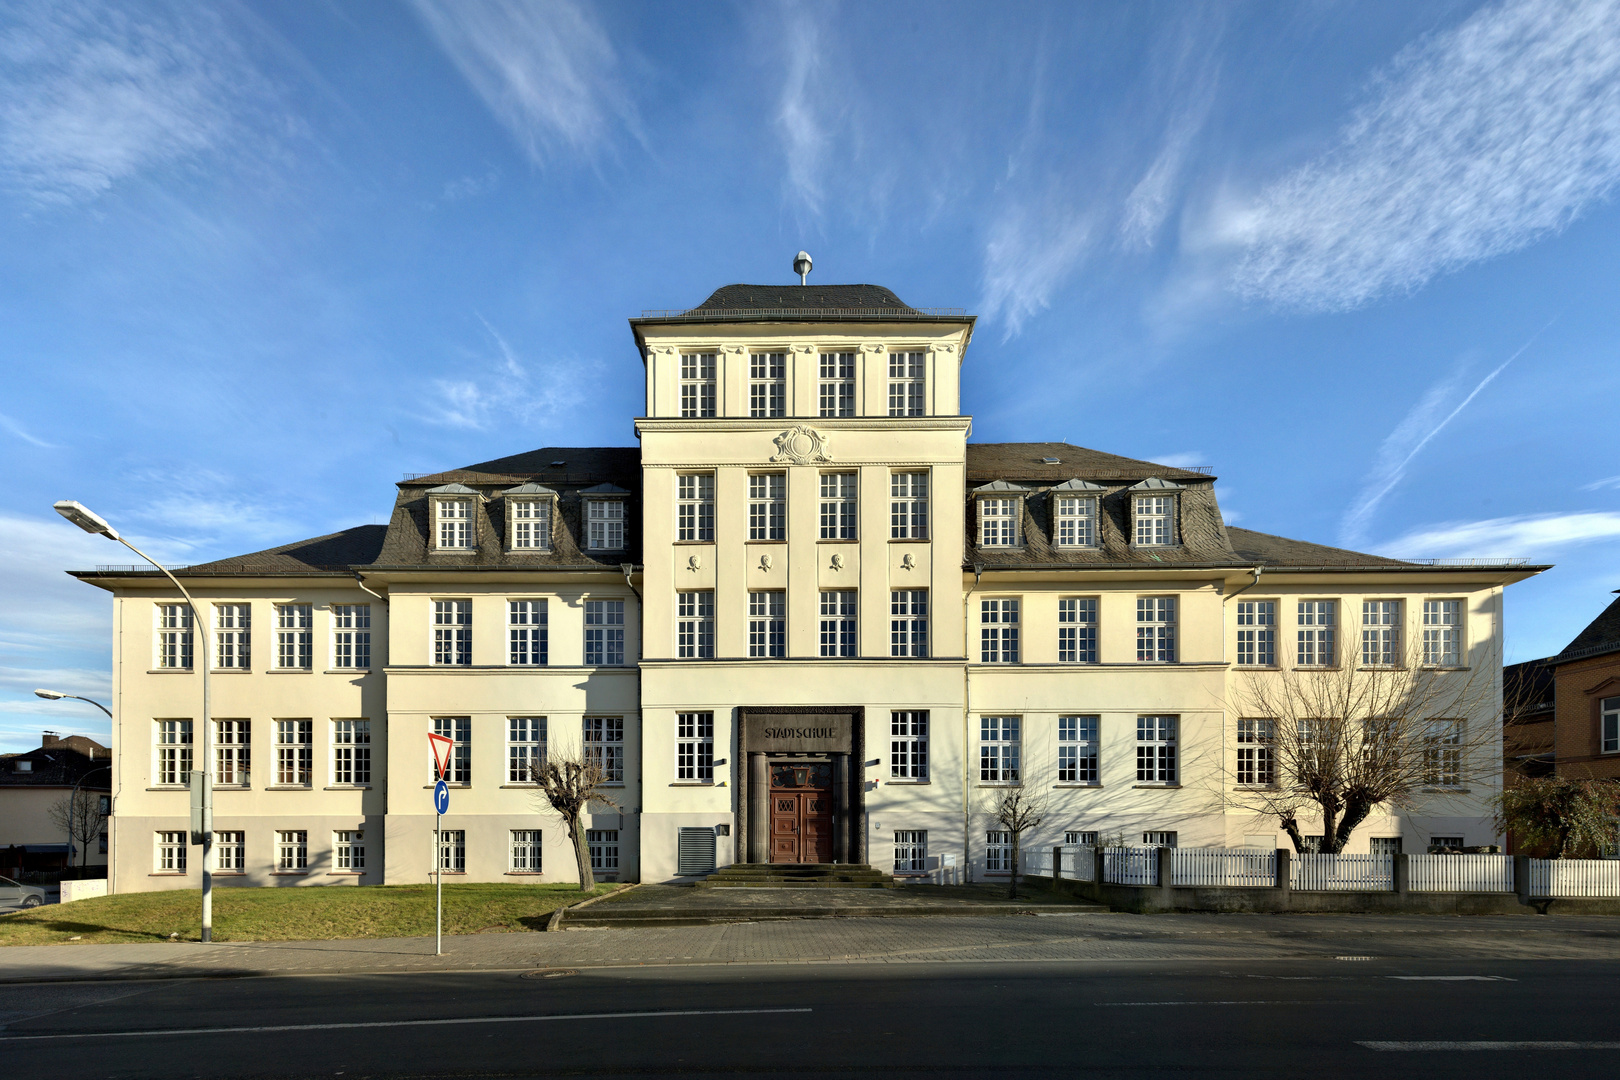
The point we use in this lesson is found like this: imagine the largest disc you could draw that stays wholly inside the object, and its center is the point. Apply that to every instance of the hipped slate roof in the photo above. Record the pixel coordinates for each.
(333, 552)
(1602, 635)
(801, 297)
(1279, 551)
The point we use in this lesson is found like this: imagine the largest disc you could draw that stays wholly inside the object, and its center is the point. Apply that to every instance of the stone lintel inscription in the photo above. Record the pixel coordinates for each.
(803, 733)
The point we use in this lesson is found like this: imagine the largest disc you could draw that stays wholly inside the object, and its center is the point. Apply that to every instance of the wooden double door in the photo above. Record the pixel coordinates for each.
(802, 812)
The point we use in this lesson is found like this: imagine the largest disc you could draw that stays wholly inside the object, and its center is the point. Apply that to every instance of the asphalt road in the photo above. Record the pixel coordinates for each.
(1318, 1018)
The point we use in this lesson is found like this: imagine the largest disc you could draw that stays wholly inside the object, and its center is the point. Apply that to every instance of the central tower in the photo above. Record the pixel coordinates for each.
(803, 482)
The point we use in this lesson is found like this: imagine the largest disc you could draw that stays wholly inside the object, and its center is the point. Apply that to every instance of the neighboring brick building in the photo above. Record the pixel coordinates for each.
(33, 782)
(1587, 718)
(1527, 720)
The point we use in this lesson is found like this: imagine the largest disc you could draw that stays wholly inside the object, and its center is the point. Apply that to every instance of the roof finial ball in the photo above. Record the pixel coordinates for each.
(801, 266)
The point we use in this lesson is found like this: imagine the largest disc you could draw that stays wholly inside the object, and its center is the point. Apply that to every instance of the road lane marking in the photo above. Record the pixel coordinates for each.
(1481, 1045)
(397, 1023)
(1451, 978)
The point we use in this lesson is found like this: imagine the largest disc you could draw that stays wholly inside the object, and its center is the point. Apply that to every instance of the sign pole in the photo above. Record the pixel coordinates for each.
(441, 803)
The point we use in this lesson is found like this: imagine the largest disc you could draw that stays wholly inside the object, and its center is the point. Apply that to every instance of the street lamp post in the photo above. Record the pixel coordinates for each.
(91, 522)
(73, 799)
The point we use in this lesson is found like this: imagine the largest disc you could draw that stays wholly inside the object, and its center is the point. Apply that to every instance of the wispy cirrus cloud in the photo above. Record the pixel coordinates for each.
(508, 389)
(547, 71)
(1030, 251)
(1599, 485)
(24, 434)
(93, 93)
(1476, 142)
(1526, 535)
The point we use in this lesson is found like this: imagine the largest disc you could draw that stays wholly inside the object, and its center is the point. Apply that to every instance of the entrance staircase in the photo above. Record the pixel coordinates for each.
(798, 876)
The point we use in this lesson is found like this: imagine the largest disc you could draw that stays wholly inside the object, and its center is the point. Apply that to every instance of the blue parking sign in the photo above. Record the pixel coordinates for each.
(441, 796)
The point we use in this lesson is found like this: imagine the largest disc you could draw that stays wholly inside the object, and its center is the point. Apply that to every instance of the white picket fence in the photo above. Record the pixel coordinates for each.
(1131, 866)
(1079, 862)
(1574, 877)
(1240, 867)
(1342, 873)
(1459, 873)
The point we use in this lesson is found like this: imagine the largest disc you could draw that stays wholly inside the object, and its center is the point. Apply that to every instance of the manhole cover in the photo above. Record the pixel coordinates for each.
(1355, 958)
(549, 973)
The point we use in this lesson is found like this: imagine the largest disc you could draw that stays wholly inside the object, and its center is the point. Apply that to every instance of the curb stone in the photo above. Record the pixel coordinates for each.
(557, 916)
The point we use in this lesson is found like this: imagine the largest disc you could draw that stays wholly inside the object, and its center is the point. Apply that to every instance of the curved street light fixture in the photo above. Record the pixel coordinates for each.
(92, 522)
(73, 799)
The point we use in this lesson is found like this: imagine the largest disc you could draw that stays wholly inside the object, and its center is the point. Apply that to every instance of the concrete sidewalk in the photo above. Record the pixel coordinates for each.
(675, 905)
(1077, 937)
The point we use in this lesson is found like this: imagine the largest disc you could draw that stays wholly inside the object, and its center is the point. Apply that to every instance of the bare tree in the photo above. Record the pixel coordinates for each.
(1338, 743)
(1017, 810)
(81, 816)
(570, 781)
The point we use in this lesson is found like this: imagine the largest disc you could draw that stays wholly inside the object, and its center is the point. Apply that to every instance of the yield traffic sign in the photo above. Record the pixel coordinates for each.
(441, 752)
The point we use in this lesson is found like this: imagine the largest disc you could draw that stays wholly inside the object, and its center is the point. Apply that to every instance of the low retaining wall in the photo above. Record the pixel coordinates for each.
(83, 890)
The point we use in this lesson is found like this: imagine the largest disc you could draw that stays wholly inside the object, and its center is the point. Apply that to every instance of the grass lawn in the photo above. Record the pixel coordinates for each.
(300, 914)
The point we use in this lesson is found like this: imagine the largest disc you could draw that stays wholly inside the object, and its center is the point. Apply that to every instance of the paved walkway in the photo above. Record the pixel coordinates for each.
(1077, 937)
(665, 905)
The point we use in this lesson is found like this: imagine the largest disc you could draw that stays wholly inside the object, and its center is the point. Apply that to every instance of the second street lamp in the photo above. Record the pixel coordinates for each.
(91, 522)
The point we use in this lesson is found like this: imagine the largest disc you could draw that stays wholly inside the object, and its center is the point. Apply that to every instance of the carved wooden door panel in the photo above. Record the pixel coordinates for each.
(816, 830)
(785, 830)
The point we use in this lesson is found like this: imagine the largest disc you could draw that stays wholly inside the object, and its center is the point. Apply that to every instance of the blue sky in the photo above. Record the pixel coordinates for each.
(259, 260)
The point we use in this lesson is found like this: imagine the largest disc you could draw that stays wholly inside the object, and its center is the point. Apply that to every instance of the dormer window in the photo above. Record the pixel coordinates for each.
(1001, 513)
(528, 517)
(1153, 513)
(455, 527)
(1074, 513)
(604, 517)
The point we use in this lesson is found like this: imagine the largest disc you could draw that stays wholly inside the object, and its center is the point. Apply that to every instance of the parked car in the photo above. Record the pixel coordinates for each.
(14, 895)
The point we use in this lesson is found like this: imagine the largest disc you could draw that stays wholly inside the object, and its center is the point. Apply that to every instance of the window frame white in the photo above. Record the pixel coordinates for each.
(452, 853)
(767, 506)
(351, 637)
(292, 851)
(1381, 625)
(294, 748)
(528, 632)
(233, 752)
(694, 624)
(908, 623)
(1001, 751)
(525, 851)
(1156, 629)
(767, 384)
(1157, 755)
(529, 523)
(458, 729)
(1443, 754)
(908, 382)
(908, 746)
(452, 631)
(1256, 739)
(233, 637)
(606, 633)
(603, 846)
(910, 851)
(1316, 645)
(998, 852)
(1074, 521)
(173, 637)
(173, 752)
(606, 523)
(999, 625)
(603, 739)
(767, 624)
(348, 851)
(694, 747)
(1443, 640)
(699, 385)
(350, 754)
(1256, 633)
(694, 507)
(1001, 521)
(1077, 629)
(840, 502)
(455, 523)
(908, 504)
(230, 851)
(525, 748)
(839, 626)
(1609, 725)
(169, 850)
(295, 637)
(1078, 749)
(835, 392)
(1153, 520)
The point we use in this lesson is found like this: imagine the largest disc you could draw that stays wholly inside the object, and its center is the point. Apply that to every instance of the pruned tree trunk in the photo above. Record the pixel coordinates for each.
(582, 854)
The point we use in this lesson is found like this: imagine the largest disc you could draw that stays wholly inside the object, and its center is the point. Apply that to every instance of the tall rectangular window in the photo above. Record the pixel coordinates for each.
(998, 522)
(453, 851)
(349, 851)
(171, 853)
(295, 753)
(452, 631)
(1609, 725)
(604, 524)
(694, 746)
(694, 507)
(694, 624)
(767, 384)
(531, 524)
(1256, 752)
(907, 383)
(455, 523)
(908, 506)
(1442, 753)
(173, 765)
(172, 636)
(1155, 520)
(525, 747)
(767, 623)
(908, 745)
(1076, 521)
(603, 845)
(292, 851)
(1077, 749)
(910, 851)
(604, 633)
(697, 384)
(232, 644)
(351, 636)
(998, 631)
(838, 509)
(838, 631)
(1380, 633)
(1257, 633)
(526, 633)
(836, 387)
(998, 851)
(767, 506)
(525, 851)
(1077, 630)
(1156, 749)
(1442, 633)
(230, 851)
(351, 752)
(458, 729)
(1317, 619)
(1080, 837)
(604, 744)
(999, 749)
(232, 752)
(295, 636)
(908, 622)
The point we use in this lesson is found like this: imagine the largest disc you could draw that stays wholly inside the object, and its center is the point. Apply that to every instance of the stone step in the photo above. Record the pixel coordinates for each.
(788, 883)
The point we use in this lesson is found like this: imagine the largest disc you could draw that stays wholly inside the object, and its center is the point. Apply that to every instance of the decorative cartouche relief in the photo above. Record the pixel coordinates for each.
(801, 445)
